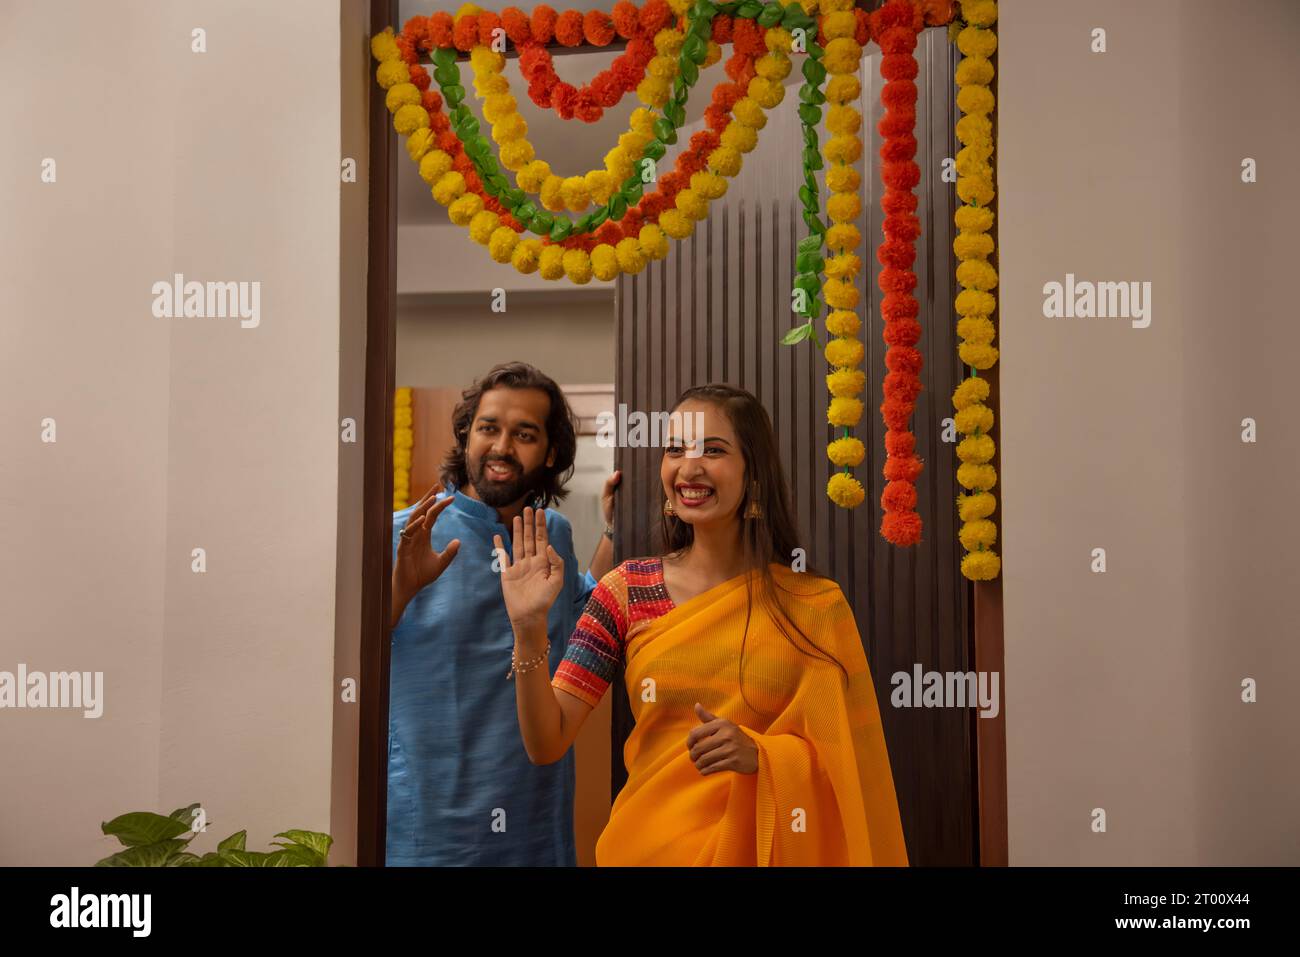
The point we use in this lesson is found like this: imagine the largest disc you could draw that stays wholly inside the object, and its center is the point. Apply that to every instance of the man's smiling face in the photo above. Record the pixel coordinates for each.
(507, 452)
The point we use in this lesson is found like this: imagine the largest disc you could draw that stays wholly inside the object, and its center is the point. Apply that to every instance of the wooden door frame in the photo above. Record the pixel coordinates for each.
(991, 831)
(377, 510)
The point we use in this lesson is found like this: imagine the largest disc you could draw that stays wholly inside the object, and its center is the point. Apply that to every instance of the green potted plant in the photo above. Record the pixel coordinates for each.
(154, 840)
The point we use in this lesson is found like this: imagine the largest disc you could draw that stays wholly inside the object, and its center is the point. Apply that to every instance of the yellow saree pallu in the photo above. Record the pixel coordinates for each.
(823, 794)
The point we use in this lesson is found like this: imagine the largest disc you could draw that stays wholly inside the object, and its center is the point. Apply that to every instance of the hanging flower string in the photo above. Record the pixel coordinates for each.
(976, 302)
(846, 382)
(403, 442)
(895, 27)
(588, 103)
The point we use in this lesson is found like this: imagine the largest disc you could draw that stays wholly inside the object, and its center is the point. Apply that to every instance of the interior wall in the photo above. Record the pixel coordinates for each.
(173, 434)
(452, 341)
(1123, 688)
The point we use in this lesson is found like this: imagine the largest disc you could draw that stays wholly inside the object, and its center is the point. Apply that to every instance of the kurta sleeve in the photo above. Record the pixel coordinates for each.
(594, 652)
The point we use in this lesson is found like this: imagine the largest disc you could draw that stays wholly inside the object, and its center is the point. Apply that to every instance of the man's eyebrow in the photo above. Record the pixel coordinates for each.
(525, 424)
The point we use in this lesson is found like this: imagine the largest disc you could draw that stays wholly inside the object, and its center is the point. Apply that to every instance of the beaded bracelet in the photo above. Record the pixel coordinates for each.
(528, 665)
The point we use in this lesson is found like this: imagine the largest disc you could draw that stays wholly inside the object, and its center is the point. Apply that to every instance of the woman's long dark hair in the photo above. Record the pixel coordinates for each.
(772, 537)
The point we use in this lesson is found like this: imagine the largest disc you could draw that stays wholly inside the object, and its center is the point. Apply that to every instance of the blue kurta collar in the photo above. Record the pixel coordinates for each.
(473, 507)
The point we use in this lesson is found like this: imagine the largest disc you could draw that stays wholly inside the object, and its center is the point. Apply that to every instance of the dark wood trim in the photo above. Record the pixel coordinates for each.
(377, 432)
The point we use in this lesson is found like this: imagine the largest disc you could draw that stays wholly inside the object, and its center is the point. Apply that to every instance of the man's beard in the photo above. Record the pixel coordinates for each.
(501, 494)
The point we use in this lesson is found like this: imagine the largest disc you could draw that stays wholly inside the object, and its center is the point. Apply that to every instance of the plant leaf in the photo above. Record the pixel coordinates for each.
(234, 858)
(157, 854)
(233, 843)
(144, 827)
(284, 859)
(296, 855)
(312, 840)
(185, 814)
(797, 334)
(810, 244)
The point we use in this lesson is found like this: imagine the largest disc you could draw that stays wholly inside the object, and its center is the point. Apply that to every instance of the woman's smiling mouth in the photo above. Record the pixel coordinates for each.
(694, 495)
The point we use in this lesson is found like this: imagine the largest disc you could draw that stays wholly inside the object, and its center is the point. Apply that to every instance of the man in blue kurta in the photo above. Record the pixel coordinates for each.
(461, 789)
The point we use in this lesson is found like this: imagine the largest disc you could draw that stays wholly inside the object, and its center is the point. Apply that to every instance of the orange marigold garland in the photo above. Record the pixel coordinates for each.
(748, 40)
(589, 102)
(895, 27)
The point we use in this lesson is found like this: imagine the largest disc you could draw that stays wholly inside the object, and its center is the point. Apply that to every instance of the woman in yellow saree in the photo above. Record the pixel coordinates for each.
(758, 738)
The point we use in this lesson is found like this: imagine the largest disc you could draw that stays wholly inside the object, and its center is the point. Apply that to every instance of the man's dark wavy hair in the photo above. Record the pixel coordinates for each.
(561, 428)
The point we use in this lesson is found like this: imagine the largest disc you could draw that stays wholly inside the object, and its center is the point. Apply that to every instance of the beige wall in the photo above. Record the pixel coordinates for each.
(1123, 689)
(173, 433)
(450, 341)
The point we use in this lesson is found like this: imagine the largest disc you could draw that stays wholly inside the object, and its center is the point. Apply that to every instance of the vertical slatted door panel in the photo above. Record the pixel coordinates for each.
(715, 310)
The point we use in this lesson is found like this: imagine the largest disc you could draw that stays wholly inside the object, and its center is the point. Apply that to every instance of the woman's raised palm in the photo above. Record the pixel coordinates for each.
(533, 575)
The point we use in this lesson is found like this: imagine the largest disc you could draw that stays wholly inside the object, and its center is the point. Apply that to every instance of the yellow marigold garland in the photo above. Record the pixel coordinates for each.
(533, 175)
(403, 442)
(605, 262)
(844, 352)
(976, 303)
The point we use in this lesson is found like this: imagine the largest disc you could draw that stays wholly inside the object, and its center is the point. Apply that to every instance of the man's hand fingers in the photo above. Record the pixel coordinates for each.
(500, 549)
(429, 499)
(437, 508)
(517, 539)
(447, 554)
(412, 533)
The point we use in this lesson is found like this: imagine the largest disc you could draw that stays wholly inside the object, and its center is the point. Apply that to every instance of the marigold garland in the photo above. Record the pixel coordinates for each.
(734, 119)
(588, 102)
(842, 52)
(534, 176)
(895, 27)
(976, 303)
(403, 442)
(471, 31)
(693, 163)
(455, 184)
